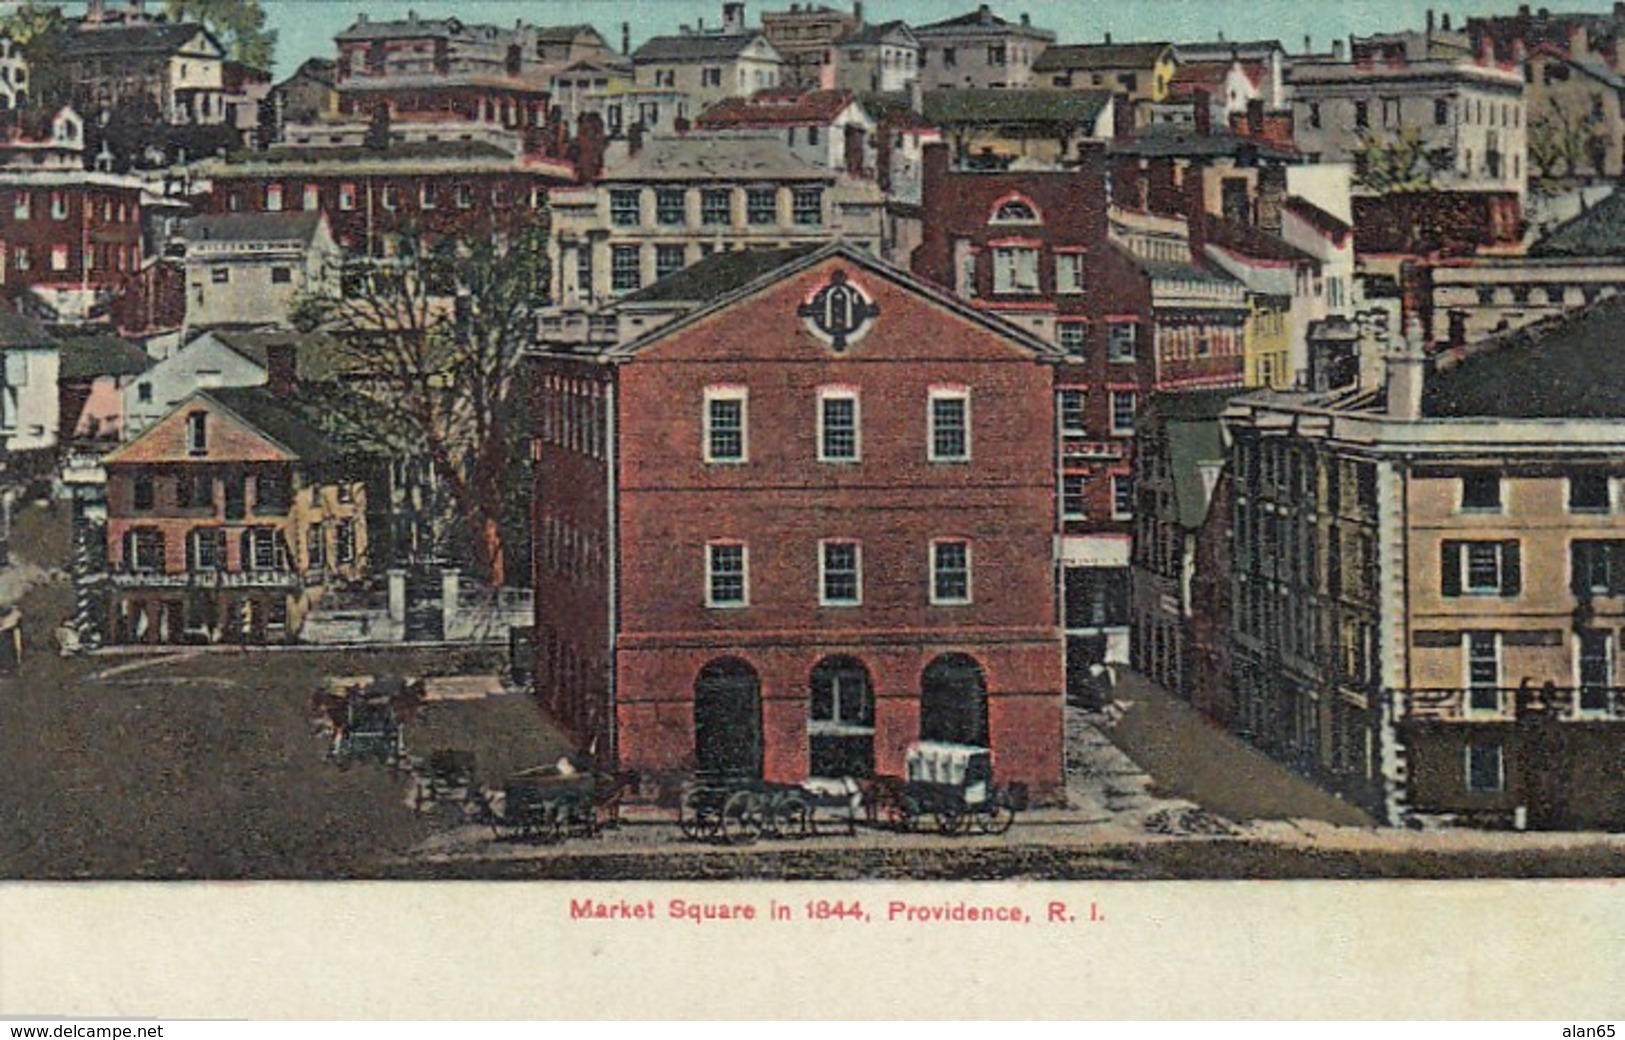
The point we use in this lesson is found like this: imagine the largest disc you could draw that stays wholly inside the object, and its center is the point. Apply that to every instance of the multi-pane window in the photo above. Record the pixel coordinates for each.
(1480, 568)
(669, 259)
(1121, 339)
(316, 546)
(1596, 667)
(1481, 492)
(1484, 769)
(1122, 496)
(762, 206)
(1588, 493)
(1597, 568)
(1124, 405)
(838, 436)
(390, 197)
(206, 549)
(59, 206)
(715, 207)
(312, 199)
(144, 550)
(344, 541)
(725, 411)
(669, 206)
(1015, 269)
(1074, 413)
(726, 582)
(1074, 496)
(273, 494)
(950, 426)
(144, 493)
(625, 268)
(1072, 337)
(465, 197)
(623, 207)
(426, 195)
(261, 549)
(840, 574)
(807, 207)
(197, 433)
(273, 198)
(1483, 671)
(950, 572)
(1069, 272)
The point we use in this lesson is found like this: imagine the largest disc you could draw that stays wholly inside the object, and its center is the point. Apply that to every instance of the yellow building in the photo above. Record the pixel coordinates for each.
(1267, 342)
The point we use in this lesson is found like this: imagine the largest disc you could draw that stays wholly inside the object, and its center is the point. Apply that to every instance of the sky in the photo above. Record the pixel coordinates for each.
(307, 27)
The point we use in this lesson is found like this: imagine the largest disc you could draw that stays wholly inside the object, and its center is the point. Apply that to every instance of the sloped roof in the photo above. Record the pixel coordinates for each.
(1085, 57)
(267, 413)
(1195, 437)
(950, 107)
(778, 108)
(373, 29)
(140, 40)
(716, 158)
(1568, 368)
(708, 47)
(317, 356)
(868, 34)
(20, 332)
(1164, 140)
(406, 152)
(1326, 223)
(860, 258)
(1253, 242)
(981, 18)
(252, 227)
(1175, 271)
(1599, 231)
(565, 33)
(1227, 50)
(86, 357)
(717, 275)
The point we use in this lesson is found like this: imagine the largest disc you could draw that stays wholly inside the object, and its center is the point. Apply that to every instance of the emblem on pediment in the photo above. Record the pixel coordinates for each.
(839, 313)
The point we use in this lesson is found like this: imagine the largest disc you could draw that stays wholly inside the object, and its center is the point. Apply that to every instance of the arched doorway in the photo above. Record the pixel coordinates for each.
(728, 719)
(841, 719)
(953, 701)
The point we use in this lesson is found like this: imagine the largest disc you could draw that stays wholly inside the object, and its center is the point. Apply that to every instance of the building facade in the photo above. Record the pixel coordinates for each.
(753, 559)
(804, 37)
(707, 67)
(250, 269)
(980, 49)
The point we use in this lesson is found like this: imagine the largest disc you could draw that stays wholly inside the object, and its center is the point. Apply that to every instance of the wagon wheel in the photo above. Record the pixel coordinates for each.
(693, 820)
(901, 813)
(950, 820)
(997, 814)
(792, 817)
(742, 821)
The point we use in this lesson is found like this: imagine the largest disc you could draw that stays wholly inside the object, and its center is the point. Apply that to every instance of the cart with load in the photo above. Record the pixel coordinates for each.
(739, 810)
(953, 784)
(558, 801)
(366, 717)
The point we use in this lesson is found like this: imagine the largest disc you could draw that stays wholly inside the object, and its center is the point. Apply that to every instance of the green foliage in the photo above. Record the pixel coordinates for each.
(1399, 163)
(1564, 142)
(240, 24)
(39, 32)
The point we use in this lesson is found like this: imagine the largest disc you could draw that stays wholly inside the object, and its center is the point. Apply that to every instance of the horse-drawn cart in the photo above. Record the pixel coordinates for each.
(951, 783)
(366, 717)
(741, 810)
(558, 801)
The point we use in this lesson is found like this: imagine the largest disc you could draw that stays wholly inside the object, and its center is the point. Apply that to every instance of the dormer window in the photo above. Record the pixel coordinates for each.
(1015, 210)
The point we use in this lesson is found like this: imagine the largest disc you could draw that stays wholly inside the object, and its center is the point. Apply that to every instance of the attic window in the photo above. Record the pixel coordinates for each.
(197, 433)
(1015, 211)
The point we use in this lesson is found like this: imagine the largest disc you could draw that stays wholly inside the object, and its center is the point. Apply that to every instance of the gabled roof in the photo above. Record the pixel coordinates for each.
(961, 107)
(1227, 50)
(317, 356)
(1195, 438)
(252, 227)
(321, 70)
(139, 40)
(565, 33)
(1253, 243)
(846, 251)
(1599, 231)
(371, 29)
(696, 158)
(864, 35)
(984, 19)
(1326, 223)
(1176, 271)
(267, 413)
(716, 275)
(778, 109)
(708, 47)
(1087, 57)
(86, 357)
(1569, 368)
(19, 332)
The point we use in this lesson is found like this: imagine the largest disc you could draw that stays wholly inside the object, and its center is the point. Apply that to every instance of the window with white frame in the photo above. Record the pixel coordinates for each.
(1485, 771)
(623, 208)
(144, 550)
(1069, 273)
(1074, 496)
(838, 426)
(426, 195)
(1015, 211)
(390, 197)
(206, 549)
(669, 259)
(262, 549)
(716, 207)
(1015, 269)
(727, 583)
(22, 206)
(762, 206)
(625, 268)
(840, 574)
(1483, 653)
(316, 546)
(950, 572)
(949, 434)
(465, 197)
(670, 207)
(312, 200)
(1072, 337)
(59, 205)
(726, 413)
(1595, 667)
(807, 206)
(344, 547)
(59, 256)
(1074, 413)
(347, 197)
(1121, 341)
(1481, 568)
(1124, 407)
(1122, 496)
(197, 433)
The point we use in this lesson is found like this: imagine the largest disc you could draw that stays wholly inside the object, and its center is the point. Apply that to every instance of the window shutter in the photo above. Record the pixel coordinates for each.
(1450, 569)
(1511, 568)
(1579, 569)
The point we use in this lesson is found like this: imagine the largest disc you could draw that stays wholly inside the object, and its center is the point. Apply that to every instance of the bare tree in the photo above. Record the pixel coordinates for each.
(433, 334)
(1399, 162)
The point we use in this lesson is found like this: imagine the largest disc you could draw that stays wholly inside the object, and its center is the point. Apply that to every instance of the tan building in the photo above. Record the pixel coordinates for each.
(804, 36)
(251, 268)
(682, 199)
(980, 49)
(1141, 72)
(707, 67)
(1429, 582)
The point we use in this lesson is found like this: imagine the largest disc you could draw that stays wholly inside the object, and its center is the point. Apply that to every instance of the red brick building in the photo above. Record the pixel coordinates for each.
(70, 237)
(447, 189)
(800, 527)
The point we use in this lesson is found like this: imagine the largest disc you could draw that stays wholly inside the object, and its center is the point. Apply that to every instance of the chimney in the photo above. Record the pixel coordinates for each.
(95, 12)
(1108, 38)
(589, 147)
(282, 369)
(733, 18)
(411, 17)
(1196, 210)
(361, 18)
(1026, 20)
(1308, 44)
(626, 37)
(916, 97)
(1203, 100)
(634, 139)
(933, 169)
(1406, 367)
(1255, 117)
(1430, 23)
(857, 11)
(1444, 22)
(1337, 50)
